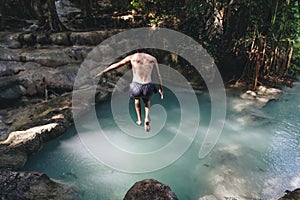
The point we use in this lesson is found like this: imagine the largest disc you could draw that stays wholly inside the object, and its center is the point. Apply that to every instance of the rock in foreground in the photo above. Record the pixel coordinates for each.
(27, 185)
(291, 195)
(150, 189)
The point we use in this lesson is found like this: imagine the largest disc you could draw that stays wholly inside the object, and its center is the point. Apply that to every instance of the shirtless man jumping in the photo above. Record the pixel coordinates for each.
(141, 86)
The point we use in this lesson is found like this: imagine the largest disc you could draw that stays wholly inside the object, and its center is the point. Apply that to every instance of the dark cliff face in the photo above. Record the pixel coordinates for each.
(150, 189)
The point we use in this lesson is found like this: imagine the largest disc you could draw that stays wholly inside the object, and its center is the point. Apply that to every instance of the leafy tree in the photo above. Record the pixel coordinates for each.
(261, 35)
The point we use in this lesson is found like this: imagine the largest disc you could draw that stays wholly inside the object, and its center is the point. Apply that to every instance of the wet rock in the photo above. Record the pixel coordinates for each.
(57, 57)
(29, 39)
(33, 185)
(9, 55)
(10, 90)
(43, 38)
(150, 189)
(49, 58)
(291, 195)
(11, 93)
(85, 38)
(12, 159)
(43, 81)
(60, 39)
(5, 70)
(91, 38)
(14, 44)
(10, 40)
(41, 121)
(46, 57)
(3, 128)
(33, 79)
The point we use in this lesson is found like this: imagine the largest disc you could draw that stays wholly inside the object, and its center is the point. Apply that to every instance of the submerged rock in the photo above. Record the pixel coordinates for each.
(248, 105)
(261, 97)
(227, 177)
(33, 185)
(150, 189)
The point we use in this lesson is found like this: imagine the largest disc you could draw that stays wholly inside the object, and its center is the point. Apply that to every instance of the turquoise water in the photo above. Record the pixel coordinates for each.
(256, 157)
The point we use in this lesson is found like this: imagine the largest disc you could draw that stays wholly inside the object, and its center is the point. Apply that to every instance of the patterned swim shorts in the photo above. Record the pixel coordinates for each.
(144, 91)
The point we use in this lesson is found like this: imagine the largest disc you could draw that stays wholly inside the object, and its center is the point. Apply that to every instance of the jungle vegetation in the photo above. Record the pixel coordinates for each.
(252, 41)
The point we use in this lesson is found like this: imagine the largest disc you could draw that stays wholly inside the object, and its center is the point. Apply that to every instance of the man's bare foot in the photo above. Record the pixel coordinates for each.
(138, 123)
(147, 126)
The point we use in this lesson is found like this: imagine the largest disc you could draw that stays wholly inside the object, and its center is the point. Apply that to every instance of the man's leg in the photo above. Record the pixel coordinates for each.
(147, 112)
(137, 105)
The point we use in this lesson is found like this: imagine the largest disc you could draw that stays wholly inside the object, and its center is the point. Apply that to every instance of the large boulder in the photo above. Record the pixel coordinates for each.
(150, 189)
(33, 185)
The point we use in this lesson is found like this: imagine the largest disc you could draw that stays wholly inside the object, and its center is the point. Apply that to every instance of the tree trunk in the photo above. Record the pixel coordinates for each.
(86, 8)
(39, 12)
(2, 21)
(53, 22)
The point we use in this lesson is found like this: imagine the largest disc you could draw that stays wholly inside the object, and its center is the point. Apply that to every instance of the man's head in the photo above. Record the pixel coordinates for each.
(144, 50)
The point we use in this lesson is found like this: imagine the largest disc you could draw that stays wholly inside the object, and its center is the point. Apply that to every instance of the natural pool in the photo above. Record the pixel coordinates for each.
(257, 155)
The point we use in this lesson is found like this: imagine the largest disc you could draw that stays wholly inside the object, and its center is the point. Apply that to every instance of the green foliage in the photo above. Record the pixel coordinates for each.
(137, 4)
(236, 33)
(232, 29)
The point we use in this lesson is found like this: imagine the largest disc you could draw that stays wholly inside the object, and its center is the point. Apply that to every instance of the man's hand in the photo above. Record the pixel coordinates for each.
(161, 93)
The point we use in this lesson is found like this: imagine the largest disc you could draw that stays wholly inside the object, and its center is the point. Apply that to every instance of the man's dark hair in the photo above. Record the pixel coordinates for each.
(143, 50)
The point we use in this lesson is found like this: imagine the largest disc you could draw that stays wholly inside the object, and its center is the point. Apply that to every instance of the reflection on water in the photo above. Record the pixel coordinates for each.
(258, 158)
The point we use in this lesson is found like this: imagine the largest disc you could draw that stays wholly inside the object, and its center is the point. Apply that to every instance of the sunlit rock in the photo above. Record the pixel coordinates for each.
(19, 137)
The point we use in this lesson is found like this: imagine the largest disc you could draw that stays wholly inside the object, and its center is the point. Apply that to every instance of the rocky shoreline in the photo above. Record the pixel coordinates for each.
(36, 86)
(37, 74)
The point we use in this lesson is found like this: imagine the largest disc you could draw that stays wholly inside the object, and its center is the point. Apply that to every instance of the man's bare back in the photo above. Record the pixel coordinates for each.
(142, 66)
(141, 86)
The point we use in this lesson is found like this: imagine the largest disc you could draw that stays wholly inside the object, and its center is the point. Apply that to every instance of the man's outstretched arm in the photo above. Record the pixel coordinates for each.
(121, 63)
(159, 79)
